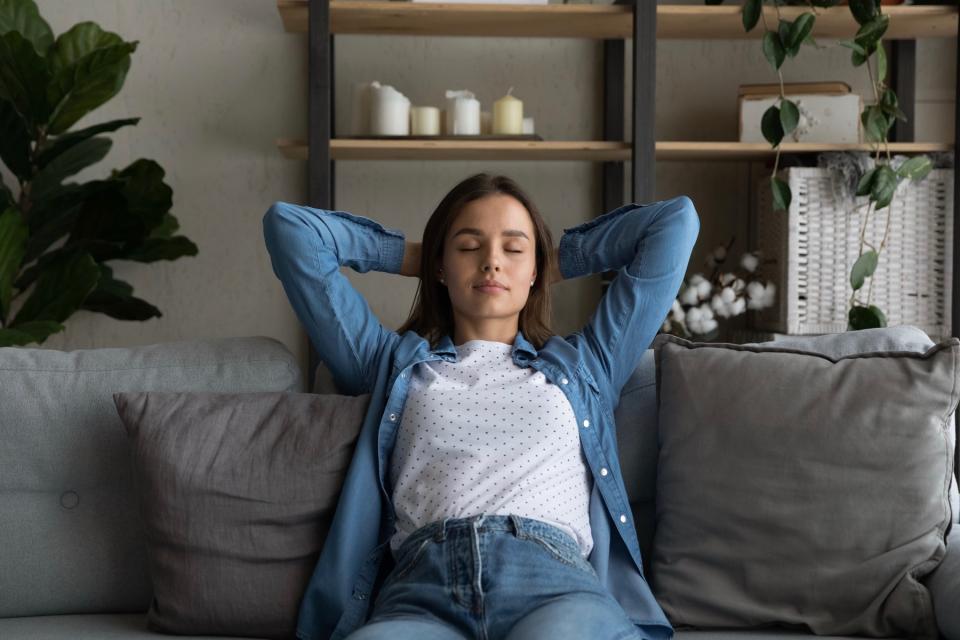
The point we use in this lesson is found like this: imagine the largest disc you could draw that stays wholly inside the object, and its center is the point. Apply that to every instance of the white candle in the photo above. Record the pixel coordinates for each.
(528, 125)
(389, 112)
(424, 121)
(463, 113)
(508, 115)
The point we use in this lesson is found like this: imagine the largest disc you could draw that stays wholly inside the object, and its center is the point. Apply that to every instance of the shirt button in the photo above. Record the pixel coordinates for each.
(393, 417)
(623, 518)
(564, 381)
(586, 423)
(604, 471)
(403, 375)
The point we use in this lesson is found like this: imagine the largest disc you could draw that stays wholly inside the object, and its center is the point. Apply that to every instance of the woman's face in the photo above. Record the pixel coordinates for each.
(490, 239)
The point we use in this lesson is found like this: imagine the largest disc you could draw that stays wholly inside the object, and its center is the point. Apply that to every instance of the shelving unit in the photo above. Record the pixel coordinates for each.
(643, 22)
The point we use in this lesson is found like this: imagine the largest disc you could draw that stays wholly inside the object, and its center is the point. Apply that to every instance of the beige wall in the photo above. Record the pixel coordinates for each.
(216, 82)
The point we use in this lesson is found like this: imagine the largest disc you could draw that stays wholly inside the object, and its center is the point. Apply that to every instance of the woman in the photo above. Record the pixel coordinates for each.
(484, 498)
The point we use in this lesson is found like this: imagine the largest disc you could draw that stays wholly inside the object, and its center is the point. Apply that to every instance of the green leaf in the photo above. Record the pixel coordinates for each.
(27, 332)
(80, 40)
(850, 44)
(789, 116)
(6, 198)
(881, 54)
(889, 103)
(61, 289)
(23, 17)
(154, 249)
(58, 144)
(771, 127)
(783, 30)
(115, 298)
(864, 10)
(865, 186)
(861, 317)
(751, 13)
(166, 228)
(87, 84)
(799, 31)
(858, 59)
(863, 268)
(68, 163)
(13, 243)
(875, 123)
(915, 168)
(148, 196)
(869, 34)
(106, 219)
(14, 141)
(773, 49)
(781, 194)
(24, 78)
(884, 186)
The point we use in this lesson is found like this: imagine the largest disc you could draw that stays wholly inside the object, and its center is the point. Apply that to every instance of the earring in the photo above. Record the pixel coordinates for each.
(531, 282)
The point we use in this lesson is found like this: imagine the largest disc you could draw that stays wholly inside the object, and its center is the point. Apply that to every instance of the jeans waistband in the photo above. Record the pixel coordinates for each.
(520, 526)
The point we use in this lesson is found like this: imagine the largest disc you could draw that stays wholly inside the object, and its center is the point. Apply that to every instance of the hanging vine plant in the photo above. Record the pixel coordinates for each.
(879, 183)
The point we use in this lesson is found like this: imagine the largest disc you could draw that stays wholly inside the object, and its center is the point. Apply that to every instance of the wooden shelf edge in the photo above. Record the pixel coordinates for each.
(597, 21)
(589, 150)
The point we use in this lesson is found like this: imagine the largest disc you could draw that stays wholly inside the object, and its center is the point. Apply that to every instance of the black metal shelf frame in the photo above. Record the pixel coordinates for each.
(320, 121)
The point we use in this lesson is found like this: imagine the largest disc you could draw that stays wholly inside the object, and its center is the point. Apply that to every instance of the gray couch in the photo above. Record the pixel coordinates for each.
(72, 554)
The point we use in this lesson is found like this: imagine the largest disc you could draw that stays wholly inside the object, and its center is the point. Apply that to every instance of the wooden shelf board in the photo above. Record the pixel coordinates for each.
(597, 21)
(590, 150)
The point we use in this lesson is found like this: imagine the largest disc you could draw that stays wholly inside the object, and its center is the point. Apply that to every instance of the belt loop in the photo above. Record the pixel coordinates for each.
(518, 526)
(441, 533)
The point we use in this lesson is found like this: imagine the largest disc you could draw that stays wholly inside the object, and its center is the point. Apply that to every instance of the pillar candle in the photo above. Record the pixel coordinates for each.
(389, 112)
(508, 115)
(424, 121)
(463, 113)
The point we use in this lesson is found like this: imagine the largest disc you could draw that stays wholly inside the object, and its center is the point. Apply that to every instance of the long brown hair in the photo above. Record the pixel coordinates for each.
(431, 315)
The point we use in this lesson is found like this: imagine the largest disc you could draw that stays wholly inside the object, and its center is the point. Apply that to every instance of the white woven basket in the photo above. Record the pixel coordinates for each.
(808, 253)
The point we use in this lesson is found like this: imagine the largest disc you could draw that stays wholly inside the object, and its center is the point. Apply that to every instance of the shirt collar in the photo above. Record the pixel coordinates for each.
(445, 347)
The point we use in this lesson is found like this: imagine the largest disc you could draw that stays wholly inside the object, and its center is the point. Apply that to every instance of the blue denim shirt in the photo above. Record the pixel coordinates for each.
(649, 246)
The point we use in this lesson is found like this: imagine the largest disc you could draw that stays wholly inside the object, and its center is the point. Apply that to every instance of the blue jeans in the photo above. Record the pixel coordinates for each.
(493, 577)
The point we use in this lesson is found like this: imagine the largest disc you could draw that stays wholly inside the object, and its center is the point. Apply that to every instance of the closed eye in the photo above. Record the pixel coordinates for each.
(508, 250)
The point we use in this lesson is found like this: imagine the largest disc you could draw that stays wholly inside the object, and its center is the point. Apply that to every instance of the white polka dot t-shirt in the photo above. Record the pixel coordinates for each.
(483, 435)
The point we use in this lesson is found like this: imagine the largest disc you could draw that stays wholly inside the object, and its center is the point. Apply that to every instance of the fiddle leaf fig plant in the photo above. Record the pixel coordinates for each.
(782, 41)
(56, 237)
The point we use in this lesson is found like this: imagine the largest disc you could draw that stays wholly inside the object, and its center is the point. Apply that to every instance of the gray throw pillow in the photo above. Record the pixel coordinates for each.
(796, 489)
(237, 492)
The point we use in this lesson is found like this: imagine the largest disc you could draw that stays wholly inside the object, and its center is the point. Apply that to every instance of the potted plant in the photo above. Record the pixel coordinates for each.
(56, 237)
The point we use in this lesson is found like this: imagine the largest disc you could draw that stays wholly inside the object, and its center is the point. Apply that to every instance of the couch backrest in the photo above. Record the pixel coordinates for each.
(636, 415)
(70, 531)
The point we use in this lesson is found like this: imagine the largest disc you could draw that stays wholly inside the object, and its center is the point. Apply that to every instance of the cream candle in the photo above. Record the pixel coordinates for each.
(508, 115)
(424, 121)
(527, 125)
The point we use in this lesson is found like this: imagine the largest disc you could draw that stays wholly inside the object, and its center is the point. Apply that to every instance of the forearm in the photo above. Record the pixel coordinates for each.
(411, 260)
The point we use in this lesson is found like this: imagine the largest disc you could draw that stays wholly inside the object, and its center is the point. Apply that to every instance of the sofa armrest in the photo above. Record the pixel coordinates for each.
(944, 585)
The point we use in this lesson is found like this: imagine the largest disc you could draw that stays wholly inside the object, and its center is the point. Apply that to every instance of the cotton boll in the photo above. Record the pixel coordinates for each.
(749, 262)
(738, 285)
(720, 253)
(719, 306)
(696, 279)
(738, 306)
(728, 295)
(727, 278)
(755, 292)
(703, 289)
(689, 296)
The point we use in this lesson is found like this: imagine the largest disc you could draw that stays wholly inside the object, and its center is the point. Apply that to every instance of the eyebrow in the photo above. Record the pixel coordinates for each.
(477, 232)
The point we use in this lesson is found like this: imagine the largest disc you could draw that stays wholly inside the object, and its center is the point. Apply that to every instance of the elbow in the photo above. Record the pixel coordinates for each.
(687, 218)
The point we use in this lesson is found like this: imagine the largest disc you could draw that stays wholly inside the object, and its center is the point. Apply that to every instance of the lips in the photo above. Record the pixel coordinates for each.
(490, 283)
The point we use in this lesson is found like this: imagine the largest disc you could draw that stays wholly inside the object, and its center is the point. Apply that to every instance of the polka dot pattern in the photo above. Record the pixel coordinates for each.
(483, 435)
